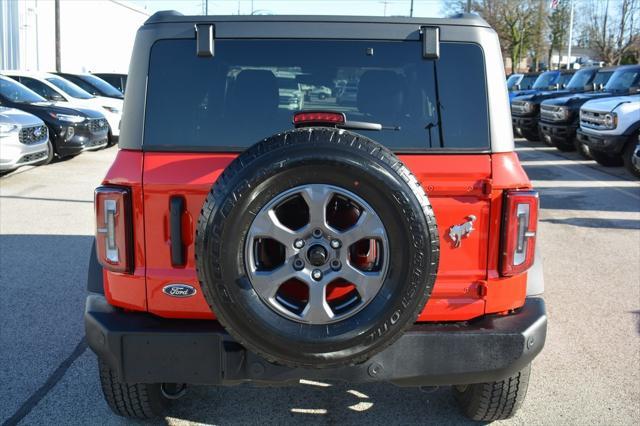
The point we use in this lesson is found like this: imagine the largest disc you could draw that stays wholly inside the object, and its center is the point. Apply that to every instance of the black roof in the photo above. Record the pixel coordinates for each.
(171, 16)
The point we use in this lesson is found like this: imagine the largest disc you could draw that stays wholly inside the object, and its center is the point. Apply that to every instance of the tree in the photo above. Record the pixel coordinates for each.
(520, 25)
(613, 33)
(558, 30)
(517, 20)
(539, 34)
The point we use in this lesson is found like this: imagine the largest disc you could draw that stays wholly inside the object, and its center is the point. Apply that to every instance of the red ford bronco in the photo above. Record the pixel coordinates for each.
(251, 230)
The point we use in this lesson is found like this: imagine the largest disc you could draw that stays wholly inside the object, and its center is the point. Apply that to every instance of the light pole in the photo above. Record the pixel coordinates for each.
(570, 35)
(57, 35)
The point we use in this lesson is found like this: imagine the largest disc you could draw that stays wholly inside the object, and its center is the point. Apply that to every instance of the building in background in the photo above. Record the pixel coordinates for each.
(95, 35)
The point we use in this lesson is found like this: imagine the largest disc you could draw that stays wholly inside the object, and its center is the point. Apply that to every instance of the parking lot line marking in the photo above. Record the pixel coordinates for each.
(536, 149)
(555, 153)
(606, 183)
(309, 410)
(558, 184)
(533, 162)
(314, 383)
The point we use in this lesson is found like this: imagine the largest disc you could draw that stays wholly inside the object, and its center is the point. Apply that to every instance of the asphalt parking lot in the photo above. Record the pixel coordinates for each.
(588, 373)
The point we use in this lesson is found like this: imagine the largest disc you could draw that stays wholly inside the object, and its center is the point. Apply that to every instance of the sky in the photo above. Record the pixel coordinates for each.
(298, 7)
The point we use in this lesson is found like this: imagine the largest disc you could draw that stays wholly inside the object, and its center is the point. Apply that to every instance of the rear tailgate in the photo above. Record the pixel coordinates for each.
(455, 184)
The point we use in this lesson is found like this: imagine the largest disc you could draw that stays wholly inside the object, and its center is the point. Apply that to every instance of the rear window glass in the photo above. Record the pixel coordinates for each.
(250, 90)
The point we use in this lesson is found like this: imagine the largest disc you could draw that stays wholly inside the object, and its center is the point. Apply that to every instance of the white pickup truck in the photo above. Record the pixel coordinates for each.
(610, 127)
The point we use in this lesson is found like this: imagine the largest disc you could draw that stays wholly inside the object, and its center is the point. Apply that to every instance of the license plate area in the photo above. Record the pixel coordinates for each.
(172, 357)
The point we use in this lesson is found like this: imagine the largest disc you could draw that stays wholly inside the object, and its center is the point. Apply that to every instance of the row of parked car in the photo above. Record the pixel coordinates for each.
(48, 116)
(595, 111)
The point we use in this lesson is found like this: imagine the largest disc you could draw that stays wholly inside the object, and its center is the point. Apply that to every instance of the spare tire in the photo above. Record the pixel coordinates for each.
(316, 248)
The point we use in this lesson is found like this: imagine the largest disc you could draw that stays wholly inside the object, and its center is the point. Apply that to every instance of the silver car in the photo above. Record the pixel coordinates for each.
(24, 140)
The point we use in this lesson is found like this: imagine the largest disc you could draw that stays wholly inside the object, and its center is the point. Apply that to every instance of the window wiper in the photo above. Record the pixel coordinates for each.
(366, 125)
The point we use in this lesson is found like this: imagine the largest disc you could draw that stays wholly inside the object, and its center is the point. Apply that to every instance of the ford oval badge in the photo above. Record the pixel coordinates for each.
(179, 290)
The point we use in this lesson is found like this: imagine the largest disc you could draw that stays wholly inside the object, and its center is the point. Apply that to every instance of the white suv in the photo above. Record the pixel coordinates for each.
(24, 140)
(610, 127)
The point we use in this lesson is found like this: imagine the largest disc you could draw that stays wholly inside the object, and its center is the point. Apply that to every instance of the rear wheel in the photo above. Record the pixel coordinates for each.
(631, 156)
(493, 400)
(132, 400)
(607, 160)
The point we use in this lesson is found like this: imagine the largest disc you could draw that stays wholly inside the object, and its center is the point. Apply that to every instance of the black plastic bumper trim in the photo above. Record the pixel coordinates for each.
(527, 123)
(564, 132)
(605, 143)
(143, 348)
(95, 283)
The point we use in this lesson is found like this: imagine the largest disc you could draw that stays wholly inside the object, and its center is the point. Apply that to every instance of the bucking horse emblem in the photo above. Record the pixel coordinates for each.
(457, 232)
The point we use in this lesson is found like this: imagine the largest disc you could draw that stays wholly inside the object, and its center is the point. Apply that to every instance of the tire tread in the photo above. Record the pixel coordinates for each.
(497, 400)
(133, 401)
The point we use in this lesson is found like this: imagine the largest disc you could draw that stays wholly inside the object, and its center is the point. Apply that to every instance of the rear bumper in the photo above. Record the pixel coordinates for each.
(607, 143)
(143, 348)
(565, 132)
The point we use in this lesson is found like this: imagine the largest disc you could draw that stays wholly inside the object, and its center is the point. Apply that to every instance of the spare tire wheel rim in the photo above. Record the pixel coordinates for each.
(317, 254)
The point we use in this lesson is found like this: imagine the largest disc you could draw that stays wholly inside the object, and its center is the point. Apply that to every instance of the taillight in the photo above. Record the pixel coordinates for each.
(114, 242)
(519, 231)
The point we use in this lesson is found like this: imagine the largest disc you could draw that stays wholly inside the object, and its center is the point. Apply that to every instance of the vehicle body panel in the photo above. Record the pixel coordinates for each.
(457, 185)
(454, 184)
(129, 290)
